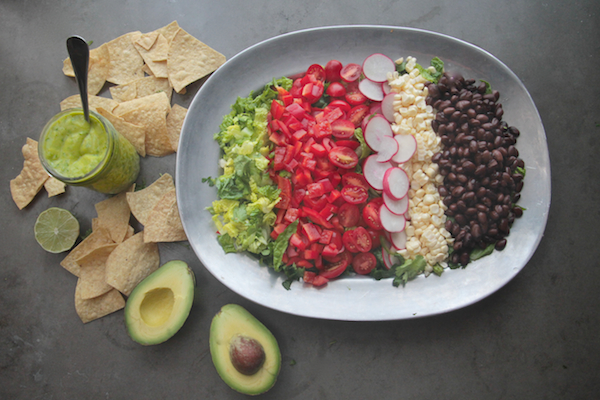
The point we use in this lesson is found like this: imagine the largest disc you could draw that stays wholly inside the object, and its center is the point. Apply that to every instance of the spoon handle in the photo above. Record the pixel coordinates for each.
(79, 53)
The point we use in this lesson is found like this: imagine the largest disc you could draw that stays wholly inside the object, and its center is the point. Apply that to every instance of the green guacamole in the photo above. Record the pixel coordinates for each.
(91, 154)
(73, 147)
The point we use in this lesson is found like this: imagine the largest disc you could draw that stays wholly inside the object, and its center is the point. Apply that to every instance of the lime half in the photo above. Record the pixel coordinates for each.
(56, 230)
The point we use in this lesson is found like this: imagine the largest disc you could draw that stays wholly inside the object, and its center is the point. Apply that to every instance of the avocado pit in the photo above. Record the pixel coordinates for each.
(247, 354)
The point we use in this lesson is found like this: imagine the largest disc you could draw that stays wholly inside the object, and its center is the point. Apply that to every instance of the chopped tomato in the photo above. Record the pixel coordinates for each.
(343, 157)
(357, 114)
(363, 263)
(354, 179)
(337, 266)
(351, 72)
(370, 215)
(355, 194)
(285, 186)
(332, 71)
(336, 89)
(342, 129)
(348, 215)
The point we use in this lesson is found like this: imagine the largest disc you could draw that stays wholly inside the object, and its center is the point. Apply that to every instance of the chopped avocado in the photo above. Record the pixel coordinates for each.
(245, 353)
(159, 305)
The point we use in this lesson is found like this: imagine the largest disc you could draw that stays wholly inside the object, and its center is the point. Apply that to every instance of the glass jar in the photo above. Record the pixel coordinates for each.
(93, 155)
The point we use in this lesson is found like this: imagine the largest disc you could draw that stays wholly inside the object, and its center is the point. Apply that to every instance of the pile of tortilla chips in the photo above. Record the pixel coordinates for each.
(113, 259)
(32, 177)
(146, 68)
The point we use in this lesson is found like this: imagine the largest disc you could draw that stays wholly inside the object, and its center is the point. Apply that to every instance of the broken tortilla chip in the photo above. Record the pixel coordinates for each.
(32, 177)
(169, 31)
(135, 134)
(98, 238)
(143, 201)
(189, 59)
(98, 307)
(113, 215)
(175, 120)
(164, 223)
(131, 262)
(92, 272)
(147, 40)
(54, 187)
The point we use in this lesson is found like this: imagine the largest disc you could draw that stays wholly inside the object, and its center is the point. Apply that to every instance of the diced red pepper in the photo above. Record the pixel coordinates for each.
(330, 251)
(291, 215)
(299, 241)
(278, 158)
(334, 195)
(280, 215)
(319, 280)
(322, 130)
(310, 254)
(316, 217)
(318, 150)
(285, 186)
(316, 189)
(326, 236)
(277, 230)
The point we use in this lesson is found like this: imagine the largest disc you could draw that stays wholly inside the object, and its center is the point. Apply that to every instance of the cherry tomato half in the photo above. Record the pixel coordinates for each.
(348, 214)
(354, 179)
(349, 239)
(343, 157)
(351, 72)
(337, 266)
(332, 71)
(363, 240)
(342, 129)
(355, 194)
(358, 113)
(341, 104)
(375, 238)
(317, 72)
(370, 215)
(364, 263)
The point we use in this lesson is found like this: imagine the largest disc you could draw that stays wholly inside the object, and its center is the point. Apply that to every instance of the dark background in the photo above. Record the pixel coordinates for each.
(536, 338)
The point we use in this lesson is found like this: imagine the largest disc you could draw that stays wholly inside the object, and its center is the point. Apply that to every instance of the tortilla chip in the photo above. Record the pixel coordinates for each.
(135, 134)
(147, 70)
(147, 40)
(113, 215)
(143, 201)
(174, 123)
(97, 69)
(164, 223)
(159, 51)
(125, 61)
(125, 92)
(93, 101)
(153, 116)
(92, 272)
(31, 178)
(98, 238)
(158, 68)
(169, 31)
(140, 102)
(131, 262)
(98, 307)
(130, 232)
(54, 187)
(141, 87)
(189, 60)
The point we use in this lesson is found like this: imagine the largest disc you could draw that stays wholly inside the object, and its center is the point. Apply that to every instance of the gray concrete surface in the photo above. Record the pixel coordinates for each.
(536, 338)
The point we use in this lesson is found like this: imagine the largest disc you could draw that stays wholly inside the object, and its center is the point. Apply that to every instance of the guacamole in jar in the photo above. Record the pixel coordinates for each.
(91, 154)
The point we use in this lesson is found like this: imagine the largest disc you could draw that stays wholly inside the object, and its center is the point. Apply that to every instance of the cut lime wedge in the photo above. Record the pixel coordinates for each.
(56, 230)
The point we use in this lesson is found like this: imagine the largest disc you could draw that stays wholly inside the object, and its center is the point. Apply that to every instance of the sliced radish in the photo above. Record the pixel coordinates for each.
(398, 207)
(376, 67)
(387, 260)
(367, 119)
(390, 221)
(389, 148)
(398, 240)
(372, 90)
(373, 171)
(375, 107)
(385, 86)
(396, 183)
(376, 129)
(407, 146)
(387, 106)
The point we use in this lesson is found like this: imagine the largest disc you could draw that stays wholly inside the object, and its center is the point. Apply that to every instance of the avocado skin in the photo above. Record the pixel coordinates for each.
(233, 320)
(179, 278)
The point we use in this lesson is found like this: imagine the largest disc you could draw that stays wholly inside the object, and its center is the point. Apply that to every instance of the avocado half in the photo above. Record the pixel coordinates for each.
(231, 323)
(160, 304)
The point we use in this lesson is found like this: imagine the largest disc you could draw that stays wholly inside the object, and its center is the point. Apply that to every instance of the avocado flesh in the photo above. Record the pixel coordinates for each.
(231, 321)
(160, 304)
